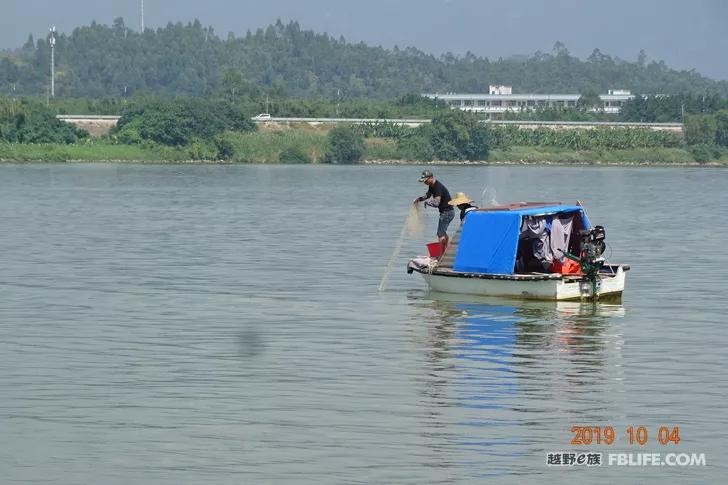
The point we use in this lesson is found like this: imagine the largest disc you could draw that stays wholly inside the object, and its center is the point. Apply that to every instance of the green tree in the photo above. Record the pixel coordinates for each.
(721, 128)
(415, 147)
(700, 129)
(457, 135)
(29, 122)
(704, 153)
(636, 109)
(180, 121)
(236, 88)
(344, 146)
(294, 155)
(589, 100)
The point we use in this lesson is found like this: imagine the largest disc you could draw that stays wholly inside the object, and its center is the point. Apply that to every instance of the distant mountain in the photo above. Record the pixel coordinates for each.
(99, 60)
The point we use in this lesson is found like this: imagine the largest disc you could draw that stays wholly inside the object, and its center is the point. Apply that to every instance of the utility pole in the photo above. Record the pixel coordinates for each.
(142, 16)
(338, 94)
(266, 103)
(52, 42)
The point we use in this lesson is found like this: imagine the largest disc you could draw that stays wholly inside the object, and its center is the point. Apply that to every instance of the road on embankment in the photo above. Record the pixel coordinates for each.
(99, 125)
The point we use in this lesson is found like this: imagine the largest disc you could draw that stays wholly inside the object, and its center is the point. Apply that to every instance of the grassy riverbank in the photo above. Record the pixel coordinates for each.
(658, 156)
(272, 146)
(197, 129)
(92, 151)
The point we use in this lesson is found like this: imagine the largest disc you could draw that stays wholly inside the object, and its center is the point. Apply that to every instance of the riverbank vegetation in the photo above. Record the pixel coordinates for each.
(30, 122)
(258, 148)
(216, 130)
(252, 99)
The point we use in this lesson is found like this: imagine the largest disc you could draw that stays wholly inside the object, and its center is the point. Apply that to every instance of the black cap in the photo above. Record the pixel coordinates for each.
(426, 174)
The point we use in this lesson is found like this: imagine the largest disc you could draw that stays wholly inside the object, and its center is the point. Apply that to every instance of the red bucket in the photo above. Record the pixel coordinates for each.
(434, 249)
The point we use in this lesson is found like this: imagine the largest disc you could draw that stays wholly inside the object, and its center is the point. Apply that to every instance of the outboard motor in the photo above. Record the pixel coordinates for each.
(592, 245)
(591, 248)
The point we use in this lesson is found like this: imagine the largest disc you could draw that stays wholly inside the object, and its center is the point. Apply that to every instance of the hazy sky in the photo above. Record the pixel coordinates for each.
(685, 33)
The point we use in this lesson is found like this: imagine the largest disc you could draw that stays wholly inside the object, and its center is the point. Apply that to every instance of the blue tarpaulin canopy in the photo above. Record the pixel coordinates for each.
(489, 238)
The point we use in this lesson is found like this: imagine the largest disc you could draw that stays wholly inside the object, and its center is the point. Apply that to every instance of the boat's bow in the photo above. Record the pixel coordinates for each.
(422, 264)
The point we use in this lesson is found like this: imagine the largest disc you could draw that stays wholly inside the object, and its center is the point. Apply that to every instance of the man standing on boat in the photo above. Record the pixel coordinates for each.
(438, 196)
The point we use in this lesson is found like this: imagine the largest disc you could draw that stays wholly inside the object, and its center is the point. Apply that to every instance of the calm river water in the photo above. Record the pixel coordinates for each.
(221, 324)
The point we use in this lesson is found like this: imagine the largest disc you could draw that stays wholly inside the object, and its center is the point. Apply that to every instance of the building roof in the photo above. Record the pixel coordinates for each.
(524, 97)
(615, 97)
(512, 97)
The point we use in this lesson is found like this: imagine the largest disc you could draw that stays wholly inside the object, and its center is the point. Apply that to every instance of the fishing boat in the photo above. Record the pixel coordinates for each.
(532, 250)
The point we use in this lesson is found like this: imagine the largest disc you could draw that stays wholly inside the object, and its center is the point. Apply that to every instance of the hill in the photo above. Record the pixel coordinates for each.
(189, 59)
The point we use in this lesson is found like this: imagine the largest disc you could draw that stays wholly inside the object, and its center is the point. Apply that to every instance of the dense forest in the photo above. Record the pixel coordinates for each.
(284, 60)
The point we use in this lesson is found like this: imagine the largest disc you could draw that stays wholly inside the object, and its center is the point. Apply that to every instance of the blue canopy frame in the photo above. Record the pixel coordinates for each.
(489, 238)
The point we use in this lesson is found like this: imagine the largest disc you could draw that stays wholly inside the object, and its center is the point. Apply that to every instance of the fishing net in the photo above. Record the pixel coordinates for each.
(414, 225)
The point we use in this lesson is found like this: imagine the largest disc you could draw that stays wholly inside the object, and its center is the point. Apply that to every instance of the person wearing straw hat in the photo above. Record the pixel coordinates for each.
(464, 203)
(437, 196)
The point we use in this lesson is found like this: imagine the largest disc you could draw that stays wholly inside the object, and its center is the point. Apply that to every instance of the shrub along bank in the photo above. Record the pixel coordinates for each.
(200, 129)
(30, 122)
(707, 135)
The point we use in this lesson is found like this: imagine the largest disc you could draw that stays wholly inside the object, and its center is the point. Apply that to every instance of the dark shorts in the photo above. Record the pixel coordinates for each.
(445, 220)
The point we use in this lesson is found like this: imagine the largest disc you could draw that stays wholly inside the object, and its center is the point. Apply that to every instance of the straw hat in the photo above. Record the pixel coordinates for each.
(460, 198)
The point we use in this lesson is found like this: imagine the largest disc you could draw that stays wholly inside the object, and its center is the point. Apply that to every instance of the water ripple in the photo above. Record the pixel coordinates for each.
(223, 325)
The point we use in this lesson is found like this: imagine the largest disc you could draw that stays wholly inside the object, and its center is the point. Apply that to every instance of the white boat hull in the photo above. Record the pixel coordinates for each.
(546, 287)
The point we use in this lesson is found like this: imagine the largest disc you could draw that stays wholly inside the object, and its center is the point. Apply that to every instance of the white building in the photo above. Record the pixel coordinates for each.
(500, 89)
(501, 99)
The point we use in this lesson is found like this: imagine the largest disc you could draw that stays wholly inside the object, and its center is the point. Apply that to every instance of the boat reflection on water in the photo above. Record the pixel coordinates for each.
(513, 376)
(513, 335)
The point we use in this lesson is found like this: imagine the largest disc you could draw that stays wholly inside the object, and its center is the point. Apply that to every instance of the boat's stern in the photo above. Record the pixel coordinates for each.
(609, 284)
